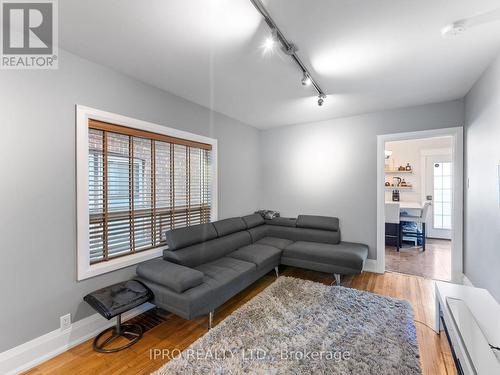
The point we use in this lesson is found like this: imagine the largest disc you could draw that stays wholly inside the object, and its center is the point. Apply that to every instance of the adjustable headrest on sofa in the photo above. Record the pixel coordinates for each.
(318, 222)
(182, 237)
(253, 220)
(283, 221)
(228, 226)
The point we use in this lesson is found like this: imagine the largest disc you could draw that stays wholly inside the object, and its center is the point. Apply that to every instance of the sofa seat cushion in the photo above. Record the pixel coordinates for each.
(227, 269)
(222, 279)
(279, 243)
(345, 254)
(258, 254)
(225, 277)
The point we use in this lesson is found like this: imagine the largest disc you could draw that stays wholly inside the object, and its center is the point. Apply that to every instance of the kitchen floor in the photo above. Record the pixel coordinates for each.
(433, 263)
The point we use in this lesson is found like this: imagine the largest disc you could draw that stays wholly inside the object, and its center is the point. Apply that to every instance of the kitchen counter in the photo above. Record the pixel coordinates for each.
(408, 205)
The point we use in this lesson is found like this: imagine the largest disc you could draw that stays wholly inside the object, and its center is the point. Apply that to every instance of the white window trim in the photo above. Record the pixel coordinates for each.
(84, 269)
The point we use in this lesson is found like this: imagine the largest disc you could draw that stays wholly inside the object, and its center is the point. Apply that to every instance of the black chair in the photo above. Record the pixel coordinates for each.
(418, 234)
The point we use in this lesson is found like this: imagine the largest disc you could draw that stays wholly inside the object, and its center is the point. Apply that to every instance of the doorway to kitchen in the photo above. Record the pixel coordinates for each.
(419, 202)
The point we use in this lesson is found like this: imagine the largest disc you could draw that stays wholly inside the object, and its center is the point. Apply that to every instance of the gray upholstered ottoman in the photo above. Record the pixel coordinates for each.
(113, 301)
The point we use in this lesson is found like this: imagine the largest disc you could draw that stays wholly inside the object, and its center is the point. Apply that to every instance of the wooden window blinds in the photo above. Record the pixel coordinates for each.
(140, 185)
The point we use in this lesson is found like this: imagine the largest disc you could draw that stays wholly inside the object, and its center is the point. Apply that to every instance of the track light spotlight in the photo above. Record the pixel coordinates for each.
(289, 48)
(306, 80)
(268, 44)
(321, 99)
(271, 40)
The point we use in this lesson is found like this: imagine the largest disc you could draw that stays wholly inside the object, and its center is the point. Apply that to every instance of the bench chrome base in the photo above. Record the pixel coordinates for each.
(337, 278)
(210, 320)
(132, 332)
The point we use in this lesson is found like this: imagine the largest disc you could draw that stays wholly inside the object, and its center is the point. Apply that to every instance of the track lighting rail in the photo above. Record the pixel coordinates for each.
(289, 49)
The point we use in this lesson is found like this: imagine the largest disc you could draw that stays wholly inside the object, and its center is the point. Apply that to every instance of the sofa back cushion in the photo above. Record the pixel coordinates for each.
(283, 221)
(228, 226)
(303, 234)
(195, 255)
(253, 220)
(318, 222)
(183, 237)
(258, 232)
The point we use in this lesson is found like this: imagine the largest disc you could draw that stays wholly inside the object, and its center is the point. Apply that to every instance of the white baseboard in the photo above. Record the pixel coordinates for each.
(371, 265)
(28, 355)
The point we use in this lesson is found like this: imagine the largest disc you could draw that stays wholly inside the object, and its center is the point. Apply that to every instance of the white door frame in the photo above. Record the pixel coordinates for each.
(458, 171)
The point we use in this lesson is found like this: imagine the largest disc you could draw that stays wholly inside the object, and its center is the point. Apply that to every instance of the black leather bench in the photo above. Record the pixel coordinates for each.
(113, 301)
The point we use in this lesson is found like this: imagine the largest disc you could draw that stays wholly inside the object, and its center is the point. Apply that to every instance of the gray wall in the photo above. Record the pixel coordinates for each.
(38, 215)
(329, 167)
(482, 160)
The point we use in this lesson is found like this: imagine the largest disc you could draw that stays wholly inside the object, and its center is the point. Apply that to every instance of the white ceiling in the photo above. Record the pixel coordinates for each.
(367, 55)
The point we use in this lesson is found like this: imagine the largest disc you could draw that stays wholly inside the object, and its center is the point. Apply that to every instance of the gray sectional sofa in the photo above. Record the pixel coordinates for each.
(207, 264)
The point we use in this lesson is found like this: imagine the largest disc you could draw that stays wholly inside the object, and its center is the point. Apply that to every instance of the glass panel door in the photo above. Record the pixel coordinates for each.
(439, 191)
(442, 195)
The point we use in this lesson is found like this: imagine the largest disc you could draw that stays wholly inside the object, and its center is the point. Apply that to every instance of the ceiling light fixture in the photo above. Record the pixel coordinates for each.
(454, 29)
(288, 48)
(461, 26)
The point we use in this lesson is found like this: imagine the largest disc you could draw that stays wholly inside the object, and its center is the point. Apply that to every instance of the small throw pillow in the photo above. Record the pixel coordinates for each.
(268, 214)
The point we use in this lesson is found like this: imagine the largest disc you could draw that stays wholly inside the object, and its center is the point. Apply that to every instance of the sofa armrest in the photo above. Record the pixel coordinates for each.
(174, 276)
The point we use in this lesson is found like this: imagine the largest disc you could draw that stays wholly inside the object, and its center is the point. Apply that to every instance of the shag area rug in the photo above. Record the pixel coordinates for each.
(302, 327)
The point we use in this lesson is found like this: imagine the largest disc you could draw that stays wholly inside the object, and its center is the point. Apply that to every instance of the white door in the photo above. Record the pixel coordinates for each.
(438, 190)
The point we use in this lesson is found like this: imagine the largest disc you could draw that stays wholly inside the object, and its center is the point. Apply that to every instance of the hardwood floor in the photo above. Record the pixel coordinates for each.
(433, 263)
(177, 333)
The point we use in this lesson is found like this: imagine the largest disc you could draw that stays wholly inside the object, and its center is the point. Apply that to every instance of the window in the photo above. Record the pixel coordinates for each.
(442, 195)
(140, 183)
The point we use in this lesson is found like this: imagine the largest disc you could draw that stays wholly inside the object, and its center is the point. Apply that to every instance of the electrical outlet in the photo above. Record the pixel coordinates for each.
(65, 322)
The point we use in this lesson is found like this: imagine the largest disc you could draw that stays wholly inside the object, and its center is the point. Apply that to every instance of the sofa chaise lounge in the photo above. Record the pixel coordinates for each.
(207, 264)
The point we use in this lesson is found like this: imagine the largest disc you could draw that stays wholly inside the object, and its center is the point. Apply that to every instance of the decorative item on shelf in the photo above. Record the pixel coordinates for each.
(395, 195)
(397, 181)
(408, 167)
(387, 183)
(403, 183)
(389, 162)
(401, 168)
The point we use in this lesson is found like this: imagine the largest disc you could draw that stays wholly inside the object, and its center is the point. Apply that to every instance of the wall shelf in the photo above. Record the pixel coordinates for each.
(396, 171)
(398, 187)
